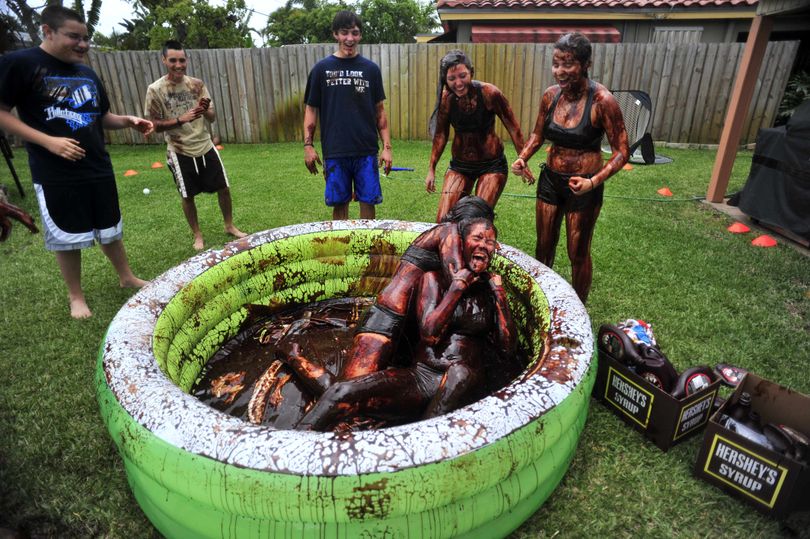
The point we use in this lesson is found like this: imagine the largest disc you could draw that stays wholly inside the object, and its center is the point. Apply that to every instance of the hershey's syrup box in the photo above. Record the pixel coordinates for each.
(773, 483)
(661, 417)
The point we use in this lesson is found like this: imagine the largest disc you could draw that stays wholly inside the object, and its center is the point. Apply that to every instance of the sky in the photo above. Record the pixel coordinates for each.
(114, 11)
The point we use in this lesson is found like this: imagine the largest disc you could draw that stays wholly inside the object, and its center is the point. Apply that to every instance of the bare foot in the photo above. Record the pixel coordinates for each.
(79, 308)
(133, 282)
(198, 243)
(235, 232)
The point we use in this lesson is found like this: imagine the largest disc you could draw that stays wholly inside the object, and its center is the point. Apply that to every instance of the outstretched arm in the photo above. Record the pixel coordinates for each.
(536, 138)
(115, 121)
(498, 103)
(10, 211)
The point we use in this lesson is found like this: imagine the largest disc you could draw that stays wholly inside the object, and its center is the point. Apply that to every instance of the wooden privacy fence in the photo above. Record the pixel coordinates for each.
(258, 93)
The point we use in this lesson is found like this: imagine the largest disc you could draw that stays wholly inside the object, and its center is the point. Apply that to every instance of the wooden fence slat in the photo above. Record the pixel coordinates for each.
(703, 107)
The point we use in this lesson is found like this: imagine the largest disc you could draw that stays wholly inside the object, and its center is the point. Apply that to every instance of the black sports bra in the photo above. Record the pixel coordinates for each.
(479, 119)
(582, 137)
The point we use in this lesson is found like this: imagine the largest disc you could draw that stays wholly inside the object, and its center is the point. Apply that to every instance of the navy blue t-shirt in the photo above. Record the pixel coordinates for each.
(63, 100)
(346, 92)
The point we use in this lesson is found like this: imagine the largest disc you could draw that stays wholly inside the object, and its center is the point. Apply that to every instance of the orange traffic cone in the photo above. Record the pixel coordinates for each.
(738, 228)
(763, 241)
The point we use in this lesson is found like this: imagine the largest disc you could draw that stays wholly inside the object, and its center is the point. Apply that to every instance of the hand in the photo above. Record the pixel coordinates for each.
(580, 185)
(144, 126)
(310, 158)
(66, 148)
(495, 280)
(204, 103)
(528, 177)
(11, 211)
(463, 278)
(519, 167)
(386, 160)
(191, 115)
(430, 181)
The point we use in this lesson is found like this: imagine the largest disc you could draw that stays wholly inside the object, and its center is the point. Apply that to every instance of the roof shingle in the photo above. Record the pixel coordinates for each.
(593, 4)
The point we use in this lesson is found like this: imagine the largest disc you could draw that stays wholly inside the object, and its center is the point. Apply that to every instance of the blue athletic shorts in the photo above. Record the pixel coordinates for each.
(352, 175)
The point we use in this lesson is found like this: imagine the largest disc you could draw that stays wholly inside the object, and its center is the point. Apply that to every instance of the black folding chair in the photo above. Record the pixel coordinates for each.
(636, 107)
(6, 149)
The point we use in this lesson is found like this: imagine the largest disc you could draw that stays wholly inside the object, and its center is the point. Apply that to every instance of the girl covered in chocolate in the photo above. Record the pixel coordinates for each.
(470, 106)
(437, 249)
(574, 115)
(463, 321)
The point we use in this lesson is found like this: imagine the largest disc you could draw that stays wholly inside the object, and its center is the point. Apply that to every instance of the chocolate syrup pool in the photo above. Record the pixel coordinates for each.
(246, 378)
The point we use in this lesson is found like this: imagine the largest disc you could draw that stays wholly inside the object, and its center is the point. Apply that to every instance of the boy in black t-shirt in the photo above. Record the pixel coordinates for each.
(63, 109)
(345, 91)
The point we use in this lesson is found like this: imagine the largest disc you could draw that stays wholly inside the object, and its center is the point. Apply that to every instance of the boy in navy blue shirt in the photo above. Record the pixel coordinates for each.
(345, 91)
(62, 109)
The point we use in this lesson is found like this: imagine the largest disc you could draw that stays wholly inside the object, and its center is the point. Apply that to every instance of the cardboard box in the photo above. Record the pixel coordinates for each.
(662, 418)
(773, 483)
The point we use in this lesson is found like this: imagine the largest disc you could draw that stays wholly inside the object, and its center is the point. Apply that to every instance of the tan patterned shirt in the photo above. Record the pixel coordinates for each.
(166, 100)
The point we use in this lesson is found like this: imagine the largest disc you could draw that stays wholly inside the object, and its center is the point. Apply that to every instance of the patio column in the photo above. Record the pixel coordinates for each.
(738, 106)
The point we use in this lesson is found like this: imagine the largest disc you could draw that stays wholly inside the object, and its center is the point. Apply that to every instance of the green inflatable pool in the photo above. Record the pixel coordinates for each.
(478, 472)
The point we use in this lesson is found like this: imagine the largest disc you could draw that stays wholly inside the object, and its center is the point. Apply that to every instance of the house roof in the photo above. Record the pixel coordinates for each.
(593, 4)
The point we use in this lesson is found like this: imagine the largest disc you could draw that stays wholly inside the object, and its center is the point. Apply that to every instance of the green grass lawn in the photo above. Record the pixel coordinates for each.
(710, 295)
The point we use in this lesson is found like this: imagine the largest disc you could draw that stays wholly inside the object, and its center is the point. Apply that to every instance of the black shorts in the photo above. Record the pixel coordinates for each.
(475, 169)
(194, 175)
(74, 216)
(552, 188)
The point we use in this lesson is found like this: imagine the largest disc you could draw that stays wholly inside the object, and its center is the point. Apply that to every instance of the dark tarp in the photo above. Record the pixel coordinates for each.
(778, 188)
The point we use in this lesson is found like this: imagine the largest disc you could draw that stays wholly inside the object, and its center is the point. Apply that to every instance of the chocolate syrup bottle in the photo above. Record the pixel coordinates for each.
(746, 422)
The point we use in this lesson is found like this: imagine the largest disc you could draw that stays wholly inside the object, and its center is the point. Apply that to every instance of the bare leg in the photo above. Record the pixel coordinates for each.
(118, 257)
(190, 211)
(490, 186)
(454, 186)
(341, 212)
(579, 228)
(70, 265)
(391, 390)
(458, 387)
(226, 207)
(548, 221)
(370, 352)
(367, 211)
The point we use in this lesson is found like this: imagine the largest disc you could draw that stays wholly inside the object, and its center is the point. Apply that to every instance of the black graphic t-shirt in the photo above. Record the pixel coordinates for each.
(346, 92)
(63, 100)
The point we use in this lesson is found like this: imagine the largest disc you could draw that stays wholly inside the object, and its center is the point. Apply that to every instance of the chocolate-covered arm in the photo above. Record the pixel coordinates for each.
(439, 141)
(500, 105)
(434, 309)
(10, 211)
(504, 324)
(314, 376)
(450, 252)
(610, 114)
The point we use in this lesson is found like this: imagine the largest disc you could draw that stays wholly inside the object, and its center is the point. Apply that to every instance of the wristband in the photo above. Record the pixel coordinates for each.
(308, 144)
(179, 123)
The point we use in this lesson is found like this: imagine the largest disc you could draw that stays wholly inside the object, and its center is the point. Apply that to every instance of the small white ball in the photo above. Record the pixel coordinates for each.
(146, 191)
